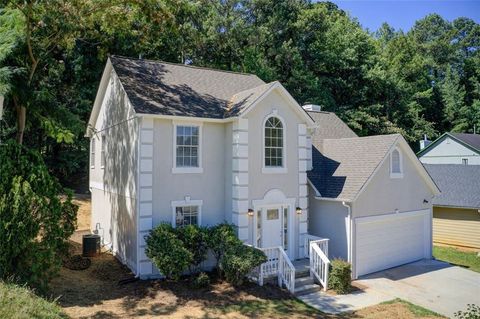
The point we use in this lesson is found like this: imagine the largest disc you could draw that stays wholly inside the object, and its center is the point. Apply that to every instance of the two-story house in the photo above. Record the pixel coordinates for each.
(188, 145)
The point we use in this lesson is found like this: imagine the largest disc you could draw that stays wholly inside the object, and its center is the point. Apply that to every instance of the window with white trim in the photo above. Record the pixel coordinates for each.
(92, 152)
(186, 215)
(102, 152)
(396, 169)
(187, 146)
(274, 153)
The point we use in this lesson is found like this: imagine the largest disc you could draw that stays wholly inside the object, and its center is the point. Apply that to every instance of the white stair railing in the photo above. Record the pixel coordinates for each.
(278, 264)
(322, 243)
(319, 262)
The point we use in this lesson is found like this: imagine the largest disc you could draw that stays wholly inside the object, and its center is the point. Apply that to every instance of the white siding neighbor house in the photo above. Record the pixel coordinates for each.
(188, 145)
(452, 148)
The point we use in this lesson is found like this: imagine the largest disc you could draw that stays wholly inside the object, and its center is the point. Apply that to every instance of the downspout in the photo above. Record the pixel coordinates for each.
(350, 235)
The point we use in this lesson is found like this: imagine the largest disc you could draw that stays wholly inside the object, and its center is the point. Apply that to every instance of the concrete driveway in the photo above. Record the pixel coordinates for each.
(432, 284)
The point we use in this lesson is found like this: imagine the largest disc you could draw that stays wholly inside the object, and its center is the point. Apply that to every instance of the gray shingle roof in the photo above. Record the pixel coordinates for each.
(470, 139)
(328, 125)
(459, 184)
(344, 165)
(155, 87)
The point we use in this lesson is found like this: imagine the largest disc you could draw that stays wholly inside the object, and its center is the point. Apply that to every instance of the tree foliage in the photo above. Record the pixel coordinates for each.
(424, 81)
(35, 221)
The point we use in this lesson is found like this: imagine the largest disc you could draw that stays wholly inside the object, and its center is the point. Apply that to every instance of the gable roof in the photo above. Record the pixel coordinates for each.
(345, 165)
(155, 87)
(472, 141)
(329, 125)
(460, 184)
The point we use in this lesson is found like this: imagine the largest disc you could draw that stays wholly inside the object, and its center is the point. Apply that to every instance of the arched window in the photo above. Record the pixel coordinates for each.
(274, 154)
(396, 164)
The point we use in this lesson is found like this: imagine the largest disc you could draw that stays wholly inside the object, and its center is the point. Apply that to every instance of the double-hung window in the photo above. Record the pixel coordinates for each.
(92, 152)
(187, 149)
(187, 212)
(102, 153)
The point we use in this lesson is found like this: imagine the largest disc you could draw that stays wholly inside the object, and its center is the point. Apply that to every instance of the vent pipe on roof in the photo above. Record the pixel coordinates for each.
(425, 142)
(312, 107)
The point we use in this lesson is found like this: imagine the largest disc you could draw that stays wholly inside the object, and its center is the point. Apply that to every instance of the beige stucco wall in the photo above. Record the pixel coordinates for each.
(208, 186)
(259, 183)
(456, 226)
(384, 194)
(114, 186)
(329, 219)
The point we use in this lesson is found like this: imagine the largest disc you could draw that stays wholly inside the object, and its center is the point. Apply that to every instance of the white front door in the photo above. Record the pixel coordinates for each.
(272, 227)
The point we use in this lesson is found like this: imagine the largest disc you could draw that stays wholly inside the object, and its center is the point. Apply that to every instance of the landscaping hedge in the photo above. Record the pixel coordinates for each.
(340, 276)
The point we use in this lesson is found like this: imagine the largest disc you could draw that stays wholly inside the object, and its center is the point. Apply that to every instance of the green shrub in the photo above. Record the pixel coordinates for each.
(472, 312)
(35, 221)
(21, 303)
(220, 239)
(201, 280)
(167, 251)
(340, 276)
(240, 260)
(194, 240)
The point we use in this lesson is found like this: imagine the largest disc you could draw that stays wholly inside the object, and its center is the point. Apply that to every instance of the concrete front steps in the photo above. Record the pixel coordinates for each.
(303, 283)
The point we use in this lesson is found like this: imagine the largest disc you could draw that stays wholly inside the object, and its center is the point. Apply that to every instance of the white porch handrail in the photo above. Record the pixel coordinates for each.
(278, 264)
(322, 243)
(319, 262)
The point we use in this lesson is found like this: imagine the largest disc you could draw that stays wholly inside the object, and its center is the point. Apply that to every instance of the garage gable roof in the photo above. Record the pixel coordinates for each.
(471, 141)
(344, 167)
(460, 184)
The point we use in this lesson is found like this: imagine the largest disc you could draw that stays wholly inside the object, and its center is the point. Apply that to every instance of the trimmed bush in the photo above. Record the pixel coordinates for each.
(194, 240)
(201, 280)
(472, 312)
(340, 276)
(240, 260)
(220, 239)
(167, 251)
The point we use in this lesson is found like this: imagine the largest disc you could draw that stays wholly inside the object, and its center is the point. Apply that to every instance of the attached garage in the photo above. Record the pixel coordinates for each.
(391, 240)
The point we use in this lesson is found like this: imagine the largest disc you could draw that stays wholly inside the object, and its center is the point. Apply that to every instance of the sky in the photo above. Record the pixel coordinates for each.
(402, 14)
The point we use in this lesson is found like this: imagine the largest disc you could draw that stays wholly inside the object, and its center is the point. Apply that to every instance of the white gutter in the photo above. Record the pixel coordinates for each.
(350, 235)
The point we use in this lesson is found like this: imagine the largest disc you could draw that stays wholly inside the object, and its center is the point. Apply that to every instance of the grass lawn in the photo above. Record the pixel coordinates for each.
(21, 303)
(417, 311)
(457, 257)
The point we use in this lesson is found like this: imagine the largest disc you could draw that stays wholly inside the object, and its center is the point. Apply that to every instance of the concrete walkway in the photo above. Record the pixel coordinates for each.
(432, 284)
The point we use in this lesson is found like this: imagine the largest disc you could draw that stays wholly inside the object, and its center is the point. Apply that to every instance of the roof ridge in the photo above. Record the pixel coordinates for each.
(184, 65)
(362, 137)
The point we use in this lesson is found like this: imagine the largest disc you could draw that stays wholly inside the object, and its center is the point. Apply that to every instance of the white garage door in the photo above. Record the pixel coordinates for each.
(390, 240)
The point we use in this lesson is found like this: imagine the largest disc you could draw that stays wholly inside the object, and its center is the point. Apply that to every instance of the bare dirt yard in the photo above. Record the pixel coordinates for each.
(97, 293)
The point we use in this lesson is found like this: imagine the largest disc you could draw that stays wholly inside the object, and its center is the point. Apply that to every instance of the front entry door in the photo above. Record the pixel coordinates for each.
(272, 231)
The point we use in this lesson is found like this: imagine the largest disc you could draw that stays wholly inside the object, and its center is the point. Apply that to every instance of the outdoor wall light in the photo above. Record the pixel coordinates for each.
(250, 212)
(425, 201)
(298, 210)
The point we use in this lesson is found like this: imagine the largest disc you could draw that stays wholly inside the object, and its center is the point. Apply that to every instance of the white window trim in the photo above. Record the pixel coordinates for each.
(400, 157)
(103, 159)
(275, 170)
(187, 170)
(93, 145)
(185, 203)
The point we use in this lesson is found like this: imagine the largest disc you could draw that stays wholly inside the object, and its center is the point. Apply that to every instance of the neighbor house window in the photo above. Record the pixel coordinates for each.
(274, 143)
(396, 170)
(102, 153)
(92, 152)
(465, 161)
(187, 148)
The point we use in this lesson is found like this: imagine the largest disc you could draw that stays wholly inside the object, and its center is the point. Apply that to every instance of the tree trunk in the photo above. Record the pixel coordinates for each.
(21, 118)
